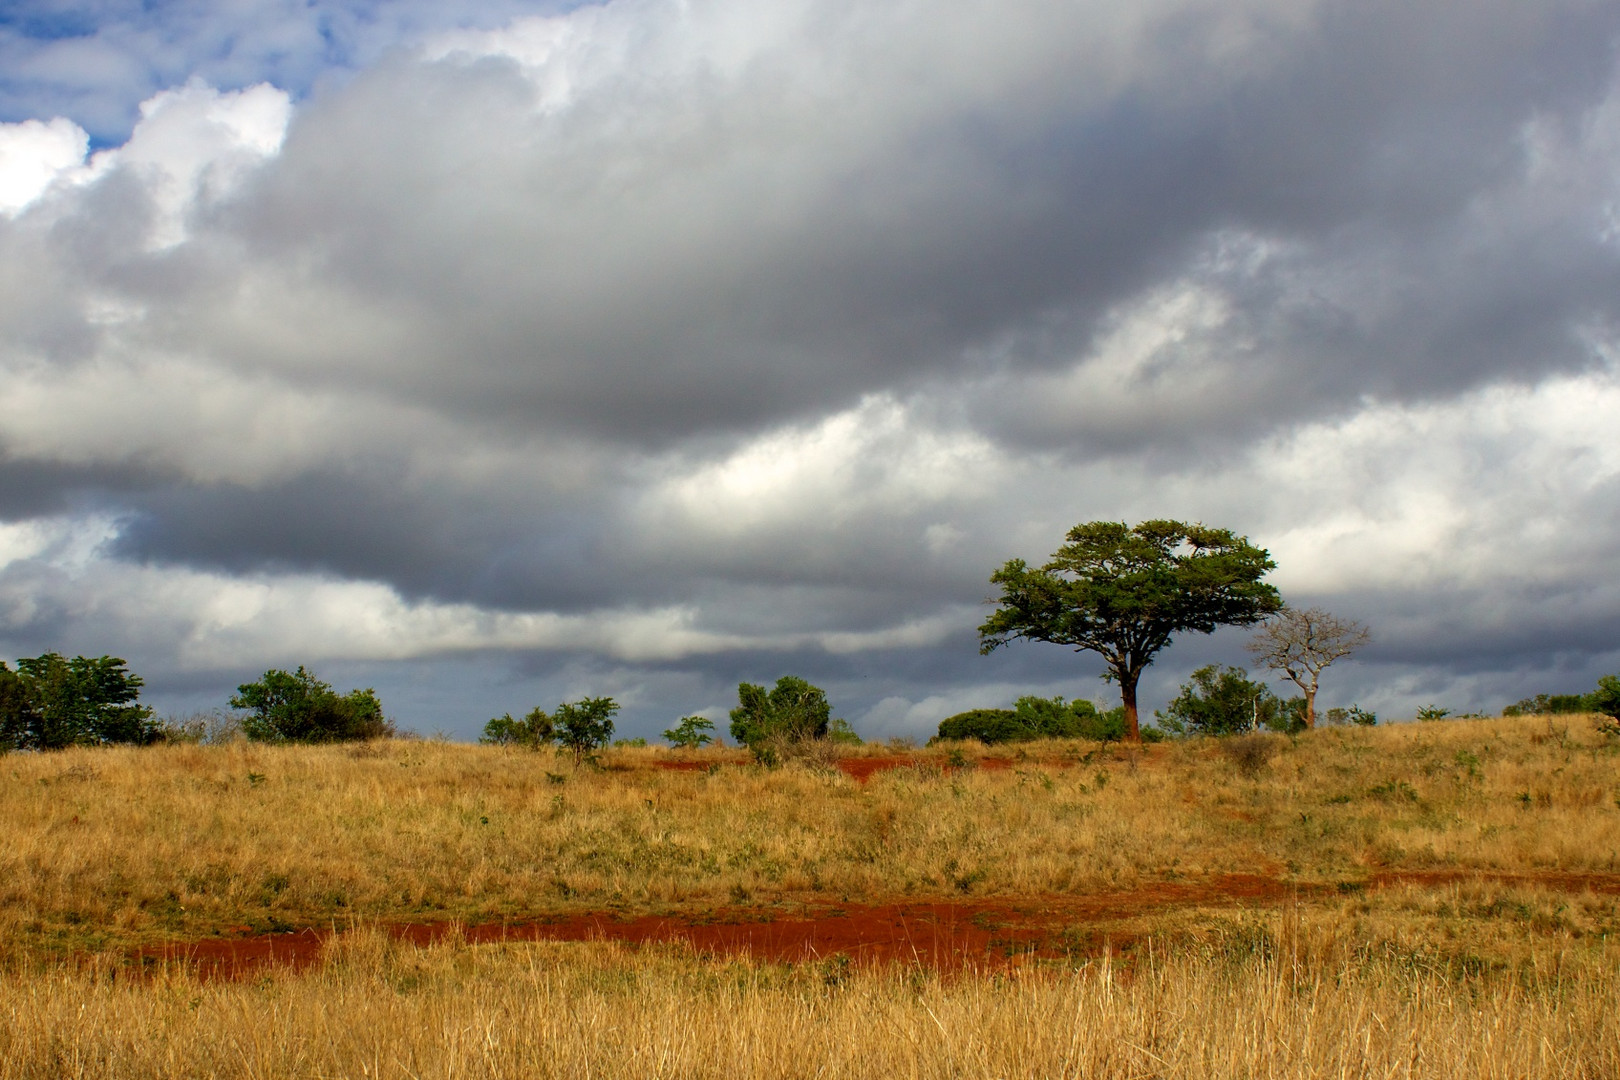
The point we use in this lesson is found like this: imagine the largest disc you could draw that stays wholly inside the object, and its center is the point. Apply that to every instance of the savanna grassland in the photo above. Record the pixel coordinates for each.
(1424, 899)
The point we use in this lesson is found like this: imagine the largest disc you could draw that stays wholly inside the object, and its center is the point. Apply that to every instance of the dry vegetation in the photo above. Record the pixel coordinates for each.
(1281, 999)
(125, 845)
(1444, 927)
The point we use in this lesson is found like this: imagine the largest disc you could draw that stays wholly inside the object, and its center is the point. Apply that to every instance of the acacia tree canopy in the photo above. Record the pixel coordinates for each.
(1124, 592)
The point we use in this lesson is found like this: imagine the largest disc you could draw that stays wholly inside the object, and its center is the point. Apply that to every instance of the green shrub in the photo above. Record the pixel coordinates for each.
(533, 731)
(792, 711)
(1036, 718)
(297, 707)
(1222, 700)
(989, 726)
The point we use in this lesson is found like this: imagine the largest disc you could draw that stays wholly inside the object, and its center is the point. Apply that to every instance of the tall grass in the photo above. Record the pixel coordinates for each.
(1286, 998)
(115, 846)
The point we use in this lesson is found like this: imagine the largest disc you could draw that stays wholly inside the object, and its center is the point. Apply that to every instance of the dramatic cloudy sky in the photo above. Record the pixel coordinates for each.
(497, 353)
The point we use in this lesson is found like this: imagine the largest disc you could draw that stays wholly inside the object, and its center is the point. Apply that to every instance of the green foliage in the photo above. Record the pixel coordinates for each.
(298, 707)
(19, 718)
(1555, 704)
(1036, 718)
(585, 725)
(533, 731)
(638, 741)
(792, 711)
(986, 725)
(690, 733)
(1222, 700)
(1432, 712)
(839, 731)
(1123, 592)
(51, 702)
(1606, 698)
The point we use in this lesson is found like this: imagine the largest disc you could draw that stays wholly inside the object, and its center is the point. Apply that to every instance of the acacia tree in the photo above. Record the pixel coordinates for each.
(1301, 643)
(1123, 592)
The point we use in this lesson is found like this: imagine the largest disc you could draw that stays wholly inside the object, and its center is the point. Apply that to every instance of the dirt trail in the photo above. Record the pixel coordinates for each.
(939, 934)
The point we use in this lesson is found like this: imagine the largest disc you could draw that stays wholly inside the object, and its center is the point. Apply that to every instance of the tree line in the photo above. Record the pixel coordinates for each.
(1122, 592)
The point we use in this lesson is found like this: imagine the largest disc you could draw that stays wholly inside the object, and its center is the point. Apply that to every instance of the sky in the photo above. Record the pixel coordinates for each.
(498, 354)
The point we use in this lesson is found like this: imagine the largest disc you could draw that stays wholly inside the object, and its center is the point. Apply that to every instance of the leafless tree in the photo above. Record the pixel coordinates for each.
(1301, 643)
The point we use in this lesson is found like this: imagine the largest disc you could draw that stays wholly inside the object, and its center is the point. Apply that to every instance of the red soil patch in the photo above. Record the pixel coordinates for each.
(939, 934)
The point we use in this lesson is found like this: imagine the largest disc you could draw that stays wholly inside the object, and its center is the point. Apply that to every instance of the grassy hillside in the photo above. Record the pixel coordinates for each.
(104, 847)
(1426, 900)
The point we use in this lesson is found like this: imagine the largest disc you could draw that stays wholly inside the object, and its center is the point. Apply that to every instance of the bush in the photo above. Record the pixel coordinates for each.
(533, 731)
(51, 702)
(1036, 718)
(793, 711)
(989, 726)
(297, 707)
(1222, 700)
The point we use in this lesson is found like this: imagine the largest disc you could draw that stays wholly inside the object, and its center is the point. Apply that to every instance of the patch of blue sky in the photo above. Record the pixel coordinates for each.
(95, 62)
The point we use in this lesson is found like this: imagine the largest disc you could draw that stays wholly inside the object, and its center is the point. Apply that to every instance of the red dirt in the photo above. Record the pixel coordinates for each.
(948, 935)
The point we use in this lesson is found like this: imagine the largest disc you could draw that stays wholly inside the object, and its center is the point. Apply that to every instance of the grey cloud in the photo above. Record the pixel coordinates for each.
(959, 213)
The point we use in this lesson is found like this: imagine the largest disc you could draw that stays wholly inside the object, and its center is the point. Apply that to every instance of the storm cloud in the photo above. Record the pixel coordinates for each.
(645, 347)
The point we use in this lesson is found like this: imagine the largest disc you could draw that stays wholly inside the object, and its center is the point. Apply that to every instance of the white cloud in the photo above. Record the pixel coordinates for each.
(194, 145)
(33, 154)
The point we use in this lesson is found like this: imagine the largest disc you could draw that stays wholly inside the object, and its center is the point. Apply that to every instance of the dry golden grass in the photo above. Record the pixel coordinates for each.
(1277, 996)
(103, 848)
(1388, 966)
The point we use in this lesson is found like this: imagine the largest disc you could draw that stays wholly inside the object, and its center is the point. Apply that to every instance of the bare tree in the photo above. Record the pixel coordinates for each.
(1301, 643)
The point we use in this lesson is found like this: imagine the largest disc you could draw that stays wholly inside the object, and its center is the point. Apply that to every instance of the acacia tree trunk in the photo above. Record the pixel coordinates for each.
(1127, 697)
(1310, 706)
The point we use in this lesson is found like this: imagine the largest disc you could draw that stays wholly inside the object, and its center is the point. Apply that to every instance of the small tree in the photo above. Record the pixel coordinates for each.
(533, 731)
(584, 726)
(298, 707)
(1123, 592)
(690, 733)
(1301, 643)
(792, 711)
